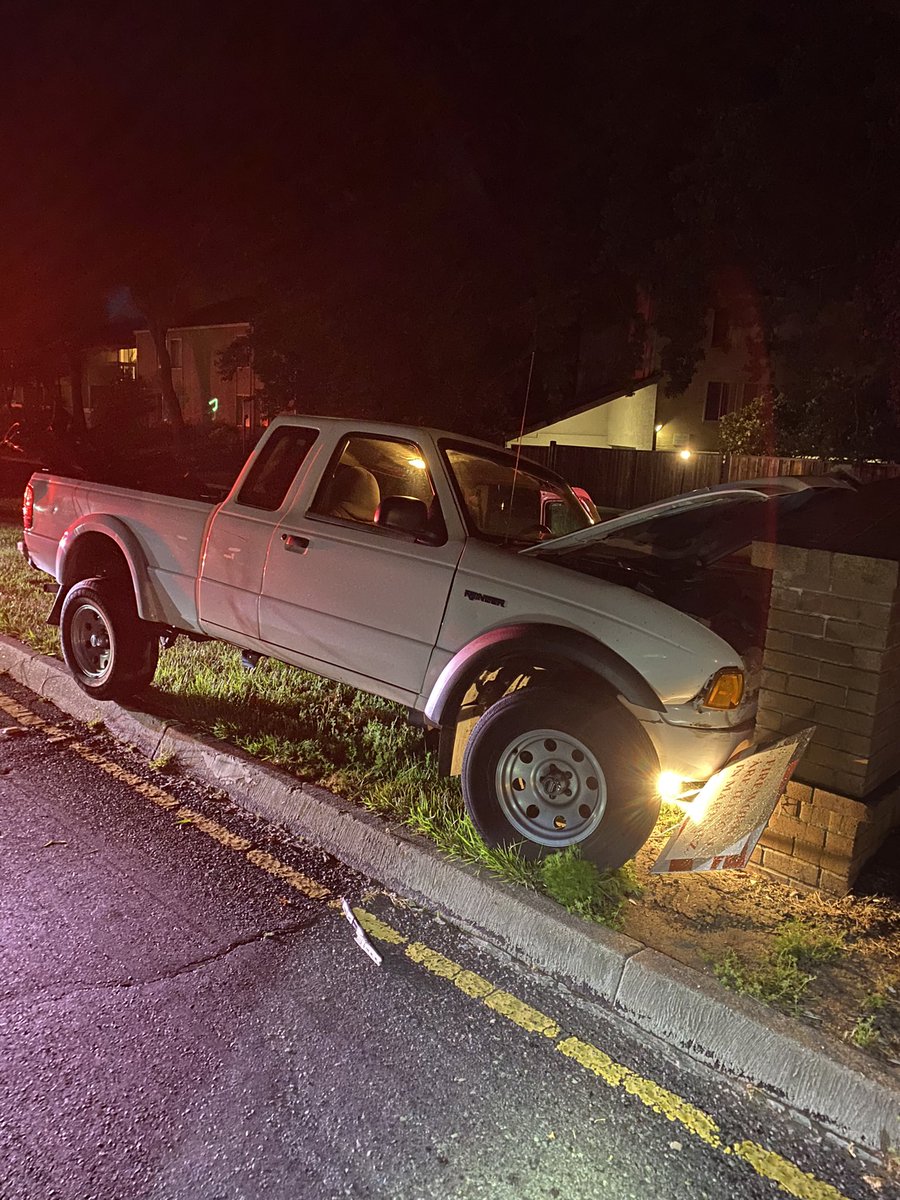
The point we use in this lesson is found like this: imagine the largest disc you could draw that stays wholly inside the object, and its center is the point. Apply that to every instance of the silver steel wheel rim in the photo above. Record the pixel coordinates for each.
(91, 641)
(551, 788)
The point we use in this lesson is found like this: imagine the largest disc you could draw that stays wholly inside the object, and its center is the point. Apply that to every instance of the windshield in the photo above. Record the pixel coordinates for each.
(505, 503)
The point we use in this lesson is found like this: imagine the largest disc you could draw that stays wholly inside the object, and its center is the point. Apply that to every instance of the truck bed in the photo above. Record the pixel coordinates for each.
(169, 531)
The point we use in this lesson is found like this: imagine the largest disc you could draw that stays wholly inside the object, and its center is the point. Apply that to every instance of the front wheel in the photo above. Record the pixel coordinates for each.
(110, 651)
(550, 770)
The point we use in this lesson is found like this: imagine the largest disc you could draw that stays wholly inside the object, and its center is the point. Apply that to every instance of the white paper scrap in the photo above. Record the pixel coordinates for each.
(359, 934)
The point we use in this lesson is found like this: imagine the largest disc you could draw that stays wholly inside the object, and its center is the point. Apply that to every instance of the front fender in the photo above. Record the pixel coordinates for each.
(549, 646)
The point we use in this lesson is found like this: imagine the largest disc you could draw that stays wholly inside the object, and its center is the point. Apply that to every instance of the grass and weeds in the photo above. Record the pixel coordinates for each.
(864, 1033)
(807, 943)
(878, 1006)
(775, 980)
(23, 603)
(581, 888)
(782, 976)
(800, 953)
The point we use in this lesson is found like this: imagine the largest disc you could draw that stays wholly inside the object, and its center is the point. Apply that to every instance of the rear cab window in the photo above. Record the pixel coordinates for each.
(275, 467)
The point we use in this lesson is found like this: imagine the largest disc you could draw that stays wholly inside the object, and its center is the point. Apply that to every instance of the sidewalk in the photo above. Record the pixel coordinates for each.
(823, 1079)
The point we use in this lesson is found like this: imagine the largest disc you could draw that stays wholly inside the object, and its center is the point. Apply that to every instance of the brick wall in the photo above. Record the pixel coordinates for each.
(832, 659)
(819, 839)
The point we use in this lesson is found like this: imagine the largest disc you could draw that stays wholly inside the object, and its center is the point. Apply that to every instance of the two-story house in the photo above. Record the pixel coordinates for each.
(194, 345)
(640, 415)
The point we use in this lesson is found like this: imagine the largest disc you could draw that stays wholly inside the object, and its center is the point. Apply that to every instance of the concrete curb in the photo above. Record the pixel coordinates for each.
(822, 1078)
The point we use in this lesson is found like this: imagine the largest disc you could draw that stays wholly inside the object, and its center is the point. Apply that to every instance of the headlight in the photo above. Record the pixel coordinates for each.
(670, 786)
(725, 689)
(673, 789)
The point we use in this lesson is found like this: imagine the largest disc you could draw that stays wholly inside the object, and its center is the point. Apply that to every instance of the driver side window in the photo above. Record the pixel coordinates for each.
(380, 482)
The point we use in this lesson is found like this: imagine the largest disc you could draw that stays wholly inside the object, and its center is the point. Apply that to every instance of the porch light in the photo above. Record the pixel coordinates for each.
(684, 454)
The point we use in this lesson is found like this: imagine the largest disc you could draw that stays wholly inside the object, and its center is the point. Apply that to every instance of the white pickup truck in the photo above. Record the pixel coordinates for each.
(416, 565)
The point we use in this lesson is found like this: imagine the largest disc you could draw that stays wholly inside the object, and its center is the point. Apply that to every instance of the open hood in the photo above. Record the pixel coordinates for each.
(691, 530)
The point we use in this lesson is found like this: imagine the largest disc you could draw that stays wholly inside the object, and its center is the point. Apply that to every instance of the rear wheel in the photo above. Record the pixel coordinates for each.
(110, 651)
(550, 770)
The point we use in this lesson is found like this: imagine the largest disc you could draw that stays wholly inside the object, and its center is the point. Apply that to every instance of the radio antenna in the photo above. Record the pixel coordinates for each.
(512, 494)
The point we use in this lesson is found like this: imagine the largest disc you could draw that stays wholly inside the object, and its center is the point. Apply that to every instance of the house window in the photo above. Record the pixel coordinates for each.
(126, 357)
(175, 352)
(721, 328)
(720, 399)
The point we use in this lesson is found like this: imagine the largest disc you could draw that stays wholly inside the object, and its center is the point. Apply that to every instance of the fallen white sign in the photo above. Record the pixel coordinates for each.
(359, 934)
(728, 815)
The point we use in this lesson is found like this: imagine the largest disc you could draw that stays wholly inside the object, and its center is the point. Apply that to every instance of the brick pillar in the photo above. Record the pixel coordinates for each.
(832, 659)
(818, 839)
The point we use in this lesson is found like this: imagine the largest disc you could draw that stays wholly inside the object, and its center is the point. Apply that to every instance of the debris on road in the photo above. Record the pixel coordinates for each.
(13, 731)
(359, 934)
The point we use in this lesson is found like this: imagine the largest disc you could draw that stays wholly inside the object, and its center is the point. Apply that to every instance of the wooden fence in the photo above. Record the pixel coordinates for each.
(629, 478)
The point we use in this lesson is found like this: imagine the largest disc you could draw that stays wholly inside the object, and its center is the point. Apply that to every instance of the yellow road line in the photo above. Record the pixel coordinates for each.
(222, 835)
(766, 1163)
(377, 928)
(296, 879)
(165, 800)
(478, 988)
(658, 1098)
(788, 1177)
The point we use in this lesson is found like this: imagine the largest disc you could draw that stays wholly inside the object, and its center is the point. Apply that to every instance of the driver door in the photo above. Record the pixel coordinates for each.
(345, 587)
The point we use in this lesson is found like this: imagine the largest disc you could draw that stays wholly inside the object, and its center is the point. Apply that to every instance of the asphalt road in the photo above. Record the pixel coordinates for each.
(178, 1021)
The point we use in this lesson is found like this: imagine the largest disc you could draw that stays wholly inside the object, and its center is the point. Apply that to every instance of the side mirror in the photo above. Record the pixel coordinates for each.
(404, 514)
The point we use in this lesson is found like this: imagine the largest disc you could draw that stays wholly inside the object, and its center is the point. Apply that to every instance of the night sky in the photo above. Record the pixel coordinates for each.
(415, 196)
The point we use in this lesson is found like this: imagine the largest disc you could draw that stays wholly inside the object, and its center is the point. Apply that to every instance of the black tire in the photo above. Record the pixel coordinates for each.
(546, 770)
(111, 653)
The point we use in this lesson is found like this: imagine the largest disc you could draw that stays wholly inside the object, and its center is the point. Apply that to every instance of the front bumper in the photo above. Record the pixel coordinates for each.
(695, 752)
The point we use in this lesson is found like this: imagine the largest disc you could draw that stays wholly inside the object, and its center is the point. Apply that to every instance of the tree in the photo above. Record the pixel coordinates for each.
(748, 430)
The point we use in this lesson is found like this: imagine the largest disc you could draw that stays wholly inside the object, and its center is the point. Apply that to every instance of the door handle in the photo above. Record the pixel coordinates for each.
(293, 541)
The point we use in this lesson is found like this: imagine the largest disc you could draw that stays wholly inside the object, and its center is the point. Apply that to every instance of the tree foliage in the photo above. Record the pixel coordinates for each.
(748, 430)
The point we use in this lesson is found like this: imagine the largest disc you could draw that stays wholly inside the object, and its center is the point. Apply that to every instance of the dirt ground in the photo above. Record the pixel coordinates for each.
(698, 918)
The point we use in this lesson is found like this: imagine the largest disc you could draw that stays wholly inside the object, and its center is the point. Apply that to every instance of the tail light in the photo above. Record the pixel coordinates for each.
(28, 507)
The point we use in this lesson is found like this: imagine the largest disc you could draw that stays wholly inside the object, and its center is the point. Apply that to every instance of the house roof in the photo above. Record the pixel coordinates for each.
(633, 387)
(236, 311)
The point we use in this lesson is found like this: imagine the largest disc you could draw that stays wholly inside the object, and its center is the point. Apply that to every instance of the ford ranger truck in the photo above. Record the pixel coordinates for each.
(418, 565)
